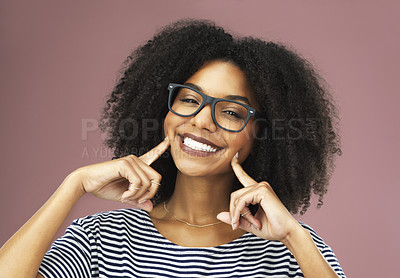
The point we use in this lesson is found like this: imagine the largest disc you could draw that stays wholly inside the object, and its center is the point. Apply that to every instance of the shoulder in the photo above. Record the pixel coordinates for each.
(113, 219)
(325, 250)
(319, 242)
(113, 215)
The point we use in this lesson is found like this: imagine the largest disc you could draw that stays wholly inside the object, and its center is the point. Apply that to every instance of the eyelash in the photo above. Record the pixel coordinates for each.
(233, 114)
(189, 100)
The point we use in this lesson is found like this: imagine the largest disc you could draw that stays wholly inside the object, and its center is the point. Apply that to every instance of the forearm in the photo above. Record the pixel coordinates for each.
(307, 255)
(22, 254)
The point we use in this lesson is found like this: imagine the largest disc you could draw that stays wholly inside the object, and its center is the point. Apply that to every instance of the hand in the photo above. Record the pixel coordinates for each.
(272, 220)
(129, 179)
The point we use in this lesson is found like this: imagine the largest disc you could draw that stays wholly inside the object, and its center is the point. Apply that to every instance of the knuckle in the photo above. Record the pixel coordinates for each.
(125, 157)
(263, 190)
(265, 184)
(135, 179)
(124, 163)
(153, 191)
(241, 203)
(147, 183)
(151, 194)
(264, 187)
(157, 177)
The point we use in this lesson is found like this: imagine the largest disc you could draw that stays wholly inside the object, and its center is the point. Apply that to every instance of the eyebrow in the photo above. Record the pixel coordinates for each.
(231, 97)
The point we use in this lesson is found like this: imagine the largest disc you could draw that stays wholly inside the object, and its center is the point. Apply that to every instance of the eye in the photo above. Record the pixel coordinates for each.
(233, 114)
(189, 100)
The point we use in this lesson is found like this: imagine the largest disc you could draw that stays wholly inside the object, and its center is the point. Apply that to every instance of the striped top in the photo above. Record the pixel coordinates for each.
(125, 243)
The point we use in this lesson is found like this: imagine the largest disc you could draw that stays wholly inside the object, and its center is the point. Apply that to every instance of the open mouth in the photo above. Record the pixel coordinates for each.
(191, 144)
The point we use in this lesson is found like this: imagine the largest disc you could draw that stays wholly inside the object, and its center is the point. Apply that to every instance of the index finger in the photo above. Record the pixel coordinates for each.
(242, 176)
(155, 153)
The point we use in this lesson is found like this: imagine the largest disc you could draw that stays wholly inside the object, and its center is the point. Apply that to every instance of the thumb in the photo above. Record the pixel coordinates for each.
(224, 217)
(147, 206)
(244, 224)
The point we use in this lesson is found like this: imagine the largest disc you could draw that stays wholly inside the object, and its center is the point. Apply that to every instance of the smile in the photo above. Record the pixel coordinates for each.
(198, 146)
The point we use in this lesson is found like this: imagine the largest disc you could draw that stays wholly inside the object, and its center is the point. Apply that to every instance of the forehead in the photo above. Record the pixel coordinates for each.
(220, 79)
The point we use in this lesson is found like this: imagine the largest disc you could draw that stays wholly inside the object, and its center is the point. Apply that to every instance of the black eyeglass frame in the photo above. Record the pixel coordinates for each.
(251, 112)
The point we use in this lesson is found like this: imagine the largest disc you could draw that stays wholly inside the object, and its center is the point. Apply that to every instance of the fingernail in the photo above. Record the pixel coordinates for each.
(142, 201)
(233, 227)
(255, 227)
(237, 155)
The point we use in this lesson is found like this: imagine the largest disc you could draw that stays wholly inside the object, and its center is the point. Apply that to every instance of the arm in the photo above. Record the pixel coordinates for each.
(273, 222)
(307, 255)
(23, 253)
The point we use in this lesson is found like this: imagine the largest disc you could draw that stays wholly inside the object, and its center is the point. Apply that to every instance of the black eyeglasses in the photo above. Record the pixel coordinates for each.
(227, 114)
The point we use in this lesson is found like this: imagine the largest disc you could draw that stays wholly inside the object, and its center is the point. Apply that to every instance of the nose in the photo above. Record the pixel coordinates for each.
(203, 119)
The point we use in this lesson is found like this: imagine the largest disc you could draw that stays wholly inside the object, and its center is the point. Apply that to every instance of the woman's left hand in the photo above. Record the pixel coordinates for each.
(272, 220)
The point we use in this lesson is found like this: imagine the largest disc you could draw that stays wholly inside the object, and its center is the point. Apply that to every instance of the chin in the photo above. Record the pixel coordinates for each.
(193, 172)
(193, 169)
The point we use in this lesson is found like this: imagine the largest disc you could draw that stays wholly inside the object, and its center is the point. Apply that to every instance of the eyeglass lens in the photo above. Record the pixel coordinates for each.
(228, 114)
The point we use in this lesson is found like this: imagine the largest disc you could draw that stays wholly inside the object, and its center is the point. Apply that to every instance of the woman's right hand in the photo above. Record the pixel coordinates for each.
(22, 254)
(129, 179)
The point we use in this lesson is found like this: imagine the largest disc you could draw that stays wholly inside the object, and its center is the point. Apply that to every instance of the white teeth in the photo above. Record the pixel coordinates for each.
(198, 146)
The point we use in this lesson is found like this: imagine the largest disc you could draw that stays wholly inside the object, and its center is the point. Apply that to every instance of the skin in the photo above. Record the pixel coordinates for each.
(202, 191)
(204, 184)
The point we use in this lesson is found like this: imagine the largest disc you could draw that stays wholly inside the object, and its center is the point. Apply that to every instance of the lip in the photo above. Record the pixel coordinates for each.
(193, 152)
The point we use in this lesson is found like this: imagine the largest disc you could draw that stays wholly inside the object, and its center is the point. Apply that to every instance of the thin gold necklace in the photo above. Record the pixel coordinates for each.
(190, 224)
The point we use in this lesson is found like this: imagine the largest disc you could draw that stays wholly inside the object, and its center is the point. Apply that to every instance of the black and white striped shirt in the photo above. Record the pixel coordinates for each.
(125, 243)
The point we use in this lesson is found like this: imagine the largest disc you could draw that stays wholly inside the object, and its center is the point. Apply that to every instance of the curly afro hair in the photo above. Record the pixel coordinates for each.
(297, 144)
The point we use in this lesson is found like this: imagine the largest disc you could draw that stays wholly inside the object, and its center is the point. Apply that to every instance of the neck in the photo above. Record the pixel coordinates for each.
(198, 200)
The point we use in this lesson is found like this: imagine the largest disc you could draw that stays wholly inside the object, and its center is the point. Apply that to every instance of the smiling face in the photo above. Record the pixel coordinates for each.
(198, 146)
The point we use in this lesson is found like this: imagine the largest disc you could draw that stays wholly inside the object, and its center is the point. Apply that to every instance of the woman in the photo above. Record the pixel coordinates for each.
(247, 133)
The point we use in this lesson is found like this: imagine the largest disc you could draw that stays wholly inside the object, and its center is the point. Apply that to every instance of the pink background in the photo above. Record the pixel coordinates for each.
(60, 59)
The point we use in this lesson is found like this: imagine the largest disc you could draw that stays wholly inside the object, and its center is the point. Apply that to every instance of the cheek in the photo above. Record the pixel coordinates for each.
(168, 126)
(171, 122)
(166, 123)
(245, 137)
(242, 141)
